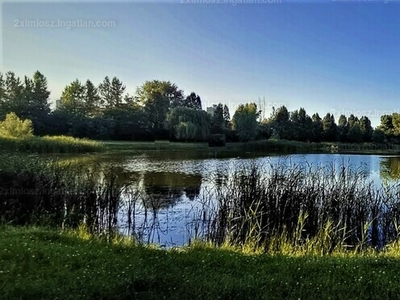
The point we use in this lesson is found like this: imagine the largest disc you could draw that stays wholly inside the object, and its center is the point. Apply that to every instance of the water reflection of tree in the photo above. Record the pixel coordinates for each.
(390, 168)
(164, 189)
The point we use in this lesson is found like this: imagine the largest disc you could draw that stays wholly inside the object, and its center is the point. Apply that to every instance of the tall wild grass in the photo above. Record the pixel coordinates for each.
(35, 191)
(274, 208)
(49, 144)
(302, 209)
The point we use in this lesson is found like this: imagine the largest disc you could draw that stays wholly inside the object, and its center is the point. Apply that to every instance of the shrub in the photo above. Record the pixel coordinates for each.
(13, 126)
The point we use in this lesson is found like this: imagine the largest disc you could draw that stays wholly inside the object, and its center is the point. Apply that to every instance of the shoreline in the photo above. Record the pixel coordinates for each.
(269, 146)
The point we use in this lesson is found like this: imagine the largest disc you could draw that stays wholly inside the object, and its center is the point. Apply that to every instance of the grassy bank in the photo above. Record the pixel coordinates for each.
(261, 146)
(44, 264)
(49, 144)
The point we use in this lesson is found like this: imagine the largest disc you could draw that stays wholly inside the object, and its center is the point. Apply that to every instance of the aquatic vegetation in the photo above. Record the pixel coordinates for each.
(275, 208)
(305, 208)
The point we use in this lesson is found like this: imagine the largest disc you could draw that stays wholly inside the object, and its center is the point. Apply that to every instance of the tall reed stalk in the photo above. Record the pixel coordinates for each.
(304, 207)
(37, 191)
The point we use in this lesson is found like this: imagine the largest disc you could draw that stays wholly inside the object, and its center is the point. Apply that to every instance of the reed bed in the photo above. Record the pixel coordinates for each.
(302, 208)
(284, 208)
(35, 191)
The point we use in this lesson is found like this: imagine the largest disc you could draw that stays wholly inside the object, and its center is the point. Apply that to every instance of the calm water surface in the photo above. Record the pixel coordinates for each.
(174, 185)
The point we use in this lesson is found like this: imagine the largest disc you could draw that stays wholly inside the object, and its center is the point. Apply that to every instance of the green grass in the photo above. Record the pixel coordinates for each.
(45, 264)
(49, 144)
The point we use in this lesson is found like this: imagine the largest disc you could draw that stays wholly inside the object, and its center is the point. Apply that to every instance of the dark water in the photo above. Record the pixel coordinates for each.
(174, 186)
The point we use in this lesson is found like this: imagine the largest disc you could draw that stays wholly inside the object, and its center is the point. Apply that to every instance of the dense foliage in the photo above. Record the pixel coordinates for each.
(245, 121)
(189, 124)
(160, 109)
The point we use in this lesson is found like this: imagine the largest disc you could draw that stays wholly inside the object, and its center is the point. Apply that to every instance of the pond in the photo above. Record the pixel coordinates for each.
(174, 185)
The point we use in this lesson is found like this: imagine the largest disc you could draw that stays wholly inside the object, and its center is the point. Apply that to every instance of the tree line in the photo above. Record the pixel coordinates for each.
(160, 109)
(298, 125)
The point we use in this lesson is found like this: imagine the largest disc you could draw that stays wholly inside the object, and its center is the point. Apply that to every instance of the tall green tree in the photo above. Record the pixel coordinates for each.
(301, 125)
(27, 98)
(343, 129)
(130, 100)
(280, 123)
(73, 98)
(244, 121)
(317, 128)
(157, 97)
(390, 125)
(217, 120)
(378, 136)
(366, 129)
(189, 124)
(117, 92)
(111, 92)
(329, 127)
(105, 92)
(39, 106)
(355, 133)
(192, 101)
(91, 99)
(396, 123)
(14, 95)
(352, 121)
(41, 94)
(386, 126)
(125, 122)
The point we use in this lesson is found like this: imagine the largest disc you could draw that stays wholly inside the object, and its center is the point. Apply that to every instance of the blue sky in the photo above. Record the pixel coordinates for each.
(325, 56)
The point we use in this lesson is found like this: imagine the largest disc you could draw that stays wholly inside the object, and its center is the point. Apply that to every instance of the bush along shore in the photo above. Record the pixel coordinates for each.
(264, 231)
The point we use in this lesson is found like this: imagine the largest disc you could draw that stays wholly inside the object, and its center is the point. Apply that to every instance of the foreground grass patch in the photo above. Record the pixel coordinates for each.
(49, 144)
(37, 263)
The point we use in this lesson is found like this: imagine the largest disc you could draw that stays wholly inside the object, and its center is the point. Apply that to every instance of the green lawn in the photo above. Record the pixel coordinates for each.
(44, 264)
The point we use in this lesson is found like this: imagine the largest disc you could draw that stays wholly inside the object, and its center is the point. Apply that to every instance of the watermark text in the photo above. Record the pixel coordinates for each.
(66, 24)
